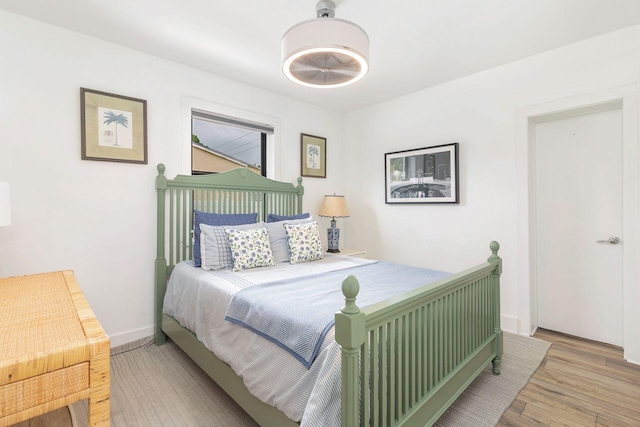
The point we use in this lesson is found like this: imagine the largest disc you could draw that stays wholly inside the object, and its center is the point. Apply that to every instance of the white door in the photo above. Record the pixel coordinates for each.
(579, 205)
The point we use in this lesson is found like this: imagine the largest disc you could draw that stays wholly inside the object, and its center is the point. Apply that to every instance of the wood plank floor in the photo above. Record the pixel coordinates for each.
(579, 383)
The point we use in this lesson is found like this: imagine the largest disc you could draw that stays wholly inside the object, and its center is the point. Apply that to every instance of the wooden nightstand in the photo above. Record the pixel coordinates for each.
(353, 252)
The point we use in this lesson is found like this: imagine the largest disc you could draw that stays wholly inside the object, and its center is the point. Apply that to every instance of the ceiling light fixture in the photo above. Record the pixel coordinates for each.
(325, 52)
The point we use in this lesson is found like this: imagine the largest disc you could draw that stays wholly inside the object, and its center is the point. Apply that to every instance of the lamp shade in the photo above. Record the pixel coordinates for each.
(5, 204)
(334, 206)
(325, 52)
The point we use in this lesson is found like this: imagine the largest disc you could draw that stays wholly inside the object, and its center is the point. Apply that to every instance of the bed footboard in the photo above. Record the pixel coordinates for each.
(405, 360)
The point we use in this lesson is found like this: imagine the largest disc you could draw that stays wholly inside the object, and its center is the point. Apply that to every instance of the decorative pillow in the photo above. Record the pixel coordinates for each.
(278, 238)
(215, 219)
(275, 218)
(304, 242)
(250, 248)
(214, 245)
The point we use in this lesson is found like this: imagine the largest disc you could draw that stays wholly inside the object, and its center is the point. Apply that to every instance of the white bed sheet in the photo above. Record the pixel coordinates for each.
(198, 300)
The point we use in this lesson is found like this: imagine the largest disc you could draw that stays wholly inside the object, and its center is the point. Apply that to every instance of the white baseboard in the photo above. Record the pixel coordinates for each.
(509, 324)
(633, 362)
(127, 337)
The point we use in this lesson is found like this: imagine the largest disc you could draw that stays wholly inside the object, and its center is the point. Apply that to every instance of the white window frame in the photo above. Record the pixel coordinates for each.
(273, 140)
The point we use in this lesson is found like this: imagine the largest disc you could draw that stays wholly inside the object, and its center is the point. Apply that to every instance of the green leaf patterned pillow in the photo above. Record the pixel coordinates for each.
(304, 242)
(250, 248)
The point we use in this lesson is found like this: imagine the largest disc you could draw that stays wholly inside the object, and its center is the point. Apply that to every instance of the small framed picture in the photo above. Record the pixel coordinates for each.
(422, 175)
(314, 156)
(114, 127)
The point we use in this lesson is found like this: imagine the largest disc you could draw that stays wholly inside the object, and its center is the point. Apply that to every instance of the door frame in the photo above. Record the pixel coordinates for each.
(625, 98)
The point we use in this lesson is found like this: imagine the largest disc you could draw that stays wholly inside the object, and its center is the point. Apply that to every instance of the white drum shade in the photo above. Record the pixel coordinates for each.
(325, 53)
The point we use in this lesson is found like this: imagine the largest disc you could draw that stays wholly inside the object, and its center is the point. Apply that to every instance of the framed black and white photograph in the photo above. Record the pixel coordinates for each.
(422, 175)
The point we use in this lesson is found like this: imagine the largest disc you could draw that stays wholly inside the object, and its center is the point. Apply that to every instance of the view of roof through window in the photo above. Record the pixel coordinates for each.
(238, 146)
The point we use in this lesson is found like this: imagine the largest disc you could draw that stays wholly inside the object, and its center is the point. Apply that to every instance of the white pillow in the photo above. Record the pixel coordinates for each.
(304, 242)
(250, 248)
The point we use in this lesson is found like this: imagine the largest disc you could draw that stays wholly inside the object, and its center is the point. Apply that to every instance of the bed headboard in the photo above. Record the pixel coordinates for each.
(237, 191)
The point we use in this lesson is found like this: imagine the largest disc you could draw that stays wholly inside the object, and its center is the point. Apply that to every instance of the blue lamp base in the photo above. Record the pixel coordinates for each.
(333, 237)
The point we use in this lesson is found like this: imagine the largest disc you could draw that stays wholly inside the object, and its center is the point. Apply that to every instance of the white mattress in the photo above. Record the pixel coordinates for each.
(198, 300)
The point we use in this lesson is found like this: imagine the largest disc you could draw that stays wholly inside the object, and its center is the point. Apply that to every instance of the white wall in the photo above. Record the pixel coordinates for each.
(479, 112)
(98, 218)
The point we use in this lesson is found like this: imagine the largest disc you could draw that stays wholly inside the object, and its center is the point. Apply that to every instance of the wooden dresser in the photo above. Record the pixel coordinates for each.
(53, 351)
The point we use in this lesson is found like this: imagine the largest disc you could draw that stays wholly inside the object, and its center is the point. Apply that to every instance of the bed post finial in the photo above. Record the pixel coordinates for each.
(350, 289)
(161, 180)
(300, 189)
(494, 258)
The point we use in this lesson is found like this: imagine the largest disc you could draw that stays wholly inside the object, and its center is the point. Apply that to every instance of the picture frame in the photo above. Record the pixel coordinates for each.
(313, 150)
(422, 175)
(113, 127)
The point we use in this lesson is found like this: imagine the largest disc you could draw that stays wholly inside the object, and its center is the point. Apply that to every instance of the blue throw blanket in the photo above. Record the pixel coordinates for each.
(296, 314)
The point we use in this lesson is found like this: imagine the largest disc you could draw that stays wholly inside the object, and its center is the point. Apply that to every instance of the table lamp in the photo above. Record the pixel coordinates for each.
(334, 206)
(5, 204)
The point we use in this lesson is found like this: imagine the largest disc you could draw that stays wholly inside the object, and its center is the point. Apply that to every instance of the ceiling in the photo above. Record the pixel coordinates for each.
(414, 44)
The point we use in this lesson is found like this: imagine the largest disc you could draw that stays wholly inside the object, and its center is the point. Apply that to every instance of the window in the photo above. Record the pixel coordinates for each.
(220, 143)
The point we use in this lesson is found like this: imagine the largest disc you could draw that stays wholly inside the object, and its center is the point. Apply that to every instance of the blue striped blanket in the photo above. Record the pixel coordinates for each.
(296, 314)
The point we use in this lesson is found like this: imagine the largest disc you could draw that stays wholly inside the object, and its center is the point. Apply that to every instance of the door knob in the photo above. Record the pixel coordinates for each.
(614, 240)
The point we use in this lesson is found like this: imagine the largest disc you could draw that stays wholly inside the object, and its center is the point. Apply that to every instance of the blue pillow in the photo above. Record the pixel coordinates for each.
(215, 219)
(276, 218)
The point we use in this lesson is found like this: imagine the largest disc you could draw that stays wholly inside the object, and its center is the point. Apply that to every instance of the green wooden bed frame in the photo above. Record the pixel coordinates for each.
(404, 360)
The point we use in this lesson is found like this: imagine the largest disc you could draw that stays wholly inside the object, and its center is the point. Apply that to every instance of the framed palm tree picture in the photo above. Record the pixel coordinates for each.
(314, 156)
(114, 127)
